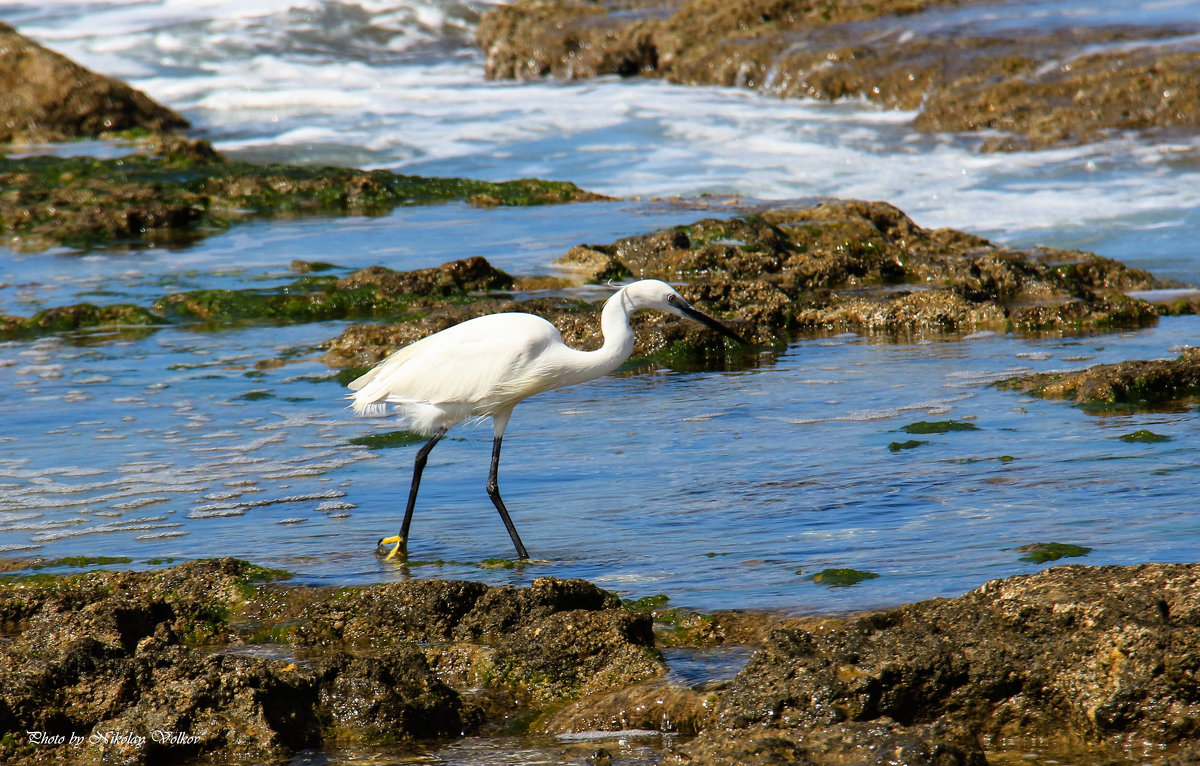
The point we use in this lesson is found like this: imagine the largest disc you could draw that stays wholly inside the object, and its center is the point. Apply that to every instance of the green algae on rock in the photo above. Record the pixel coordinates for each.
(938, 427)
(181, 195)
(370, 292)
(1040, 553)
(81, 562)
(842, 577)
(1143, 436)
(907, 444)
(374, 291)
(389, 440)
(77, 317)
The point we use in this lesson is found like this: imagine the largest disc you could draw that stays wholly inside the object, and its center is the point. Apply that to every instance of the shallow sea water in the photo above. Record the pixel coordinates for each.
(722, 490)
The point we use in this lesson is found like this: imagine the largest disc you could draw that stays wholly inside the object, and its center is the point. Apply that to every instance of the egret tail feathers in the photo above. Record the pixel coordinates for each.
(370, 409)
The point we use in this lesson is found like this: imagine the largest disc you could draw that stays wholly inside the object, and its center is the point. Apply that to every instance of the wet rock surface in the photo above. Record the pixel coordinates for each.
(1036, 87)
(375, 290)
(875, 744)
(222, 659)
(49, 98)
(182, 190)
(834, 266)
(1134, 383)
(1094, 656)
(80, 315)
(207, 651)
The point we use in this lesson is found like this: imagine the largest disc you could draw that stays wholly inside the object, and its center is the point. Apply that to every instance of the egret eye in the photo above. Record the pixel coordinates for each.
(672, 298)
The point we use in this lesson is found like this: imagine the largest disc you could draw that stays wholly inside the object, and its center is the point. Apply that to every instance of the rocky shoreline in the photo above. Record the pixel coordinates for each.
(226, 660)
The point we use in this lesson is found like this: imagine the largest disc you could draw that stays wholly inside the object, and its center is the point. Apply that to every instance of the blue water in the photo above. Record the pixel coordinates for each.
(719, 489)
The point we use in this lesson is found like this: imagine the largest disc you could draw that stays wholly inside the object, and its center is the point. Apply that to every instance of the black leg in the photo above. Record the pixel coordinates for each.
(493, 490)
(418, 468)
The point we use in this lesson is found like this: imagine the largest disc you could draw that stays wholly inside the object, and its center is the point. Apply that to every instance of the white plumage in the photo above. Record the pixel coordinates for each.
(483, 366)
(486, 366)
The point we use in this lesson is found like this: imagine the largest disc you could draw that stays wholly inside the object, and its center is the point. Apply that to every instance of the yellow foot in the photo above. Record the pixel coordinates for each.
(399, 544)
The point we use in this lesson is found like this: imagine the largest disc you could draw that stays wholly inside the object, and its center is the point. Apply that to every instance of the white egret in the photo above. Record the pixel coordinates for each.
(487, 365)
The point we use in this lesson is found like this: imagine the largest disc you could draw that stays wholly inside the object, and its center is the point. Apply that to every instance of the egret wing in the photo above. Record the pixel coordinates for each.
(480, 363)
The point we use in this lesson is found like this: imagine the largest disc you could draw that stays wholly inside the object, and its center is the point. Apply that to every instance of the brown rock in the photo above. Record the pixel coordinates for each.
(47, 97)
(1094, 656)
(655, 706)
(1134, 382)
(1041, 88)
(453, 278)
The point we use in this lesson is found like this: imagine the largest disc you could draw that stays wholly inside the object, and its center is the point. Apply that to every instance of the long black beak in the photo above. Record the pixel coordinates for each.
(708, 321)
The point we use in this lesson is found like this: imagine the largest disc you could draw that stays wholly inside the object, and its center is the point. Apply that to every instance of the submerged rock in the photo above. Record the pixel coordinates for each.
(1041, 88)
(1138, 383)
(882, 743)
(658, 705)
(48, 98)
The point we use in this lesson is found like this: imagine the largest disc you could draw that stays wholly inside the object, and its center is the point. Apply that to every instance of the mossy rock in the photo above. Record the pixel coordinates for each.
(1040, 553)
(938, 427)
(1143, 436)
(373, 291)
(1138, 383)
(906, 445)
(842, 577)
(648, 604)
(79, 317)
(86, 202)
(82, 562)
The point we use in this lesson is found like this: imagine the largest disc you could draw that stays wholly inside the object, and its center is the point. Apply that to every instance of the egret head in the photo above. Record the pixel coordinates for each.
(653, 294)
